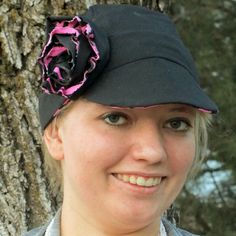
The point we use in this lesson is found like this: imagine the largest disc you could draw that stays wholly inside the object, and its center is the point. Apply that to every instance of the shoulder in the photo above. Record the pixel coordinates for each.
(40, 231)
(172, 230)
(185, 233)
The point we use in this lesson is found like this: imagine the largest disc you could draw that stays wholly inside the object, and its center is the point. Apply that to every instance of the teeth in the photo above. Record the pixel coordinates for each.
(125, 178)
(139, 180)
(150, 182)
(132, 180)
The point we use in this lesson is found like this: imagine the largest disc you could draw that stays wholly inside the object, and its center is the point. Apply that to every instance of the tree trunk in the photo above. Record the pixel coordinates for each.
(26, 200)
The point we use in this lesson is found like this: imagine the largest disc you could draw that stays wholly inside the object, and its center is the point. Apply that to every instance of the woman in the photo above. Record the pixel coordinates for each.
(124, 116)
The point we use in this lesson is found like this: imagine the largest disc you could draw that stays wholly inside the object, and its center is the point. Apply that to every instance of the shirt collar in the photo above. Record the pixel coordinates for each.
(54, 227)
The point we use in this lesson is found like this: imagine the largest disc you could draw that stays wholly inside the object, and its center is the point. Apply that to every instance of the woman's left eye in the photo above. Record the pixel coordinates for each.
(115, 118)
(178, 124)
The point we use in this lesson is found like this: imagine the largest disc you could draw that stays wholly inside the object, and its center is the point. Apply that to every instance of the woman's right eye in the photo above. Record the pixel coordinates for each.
(115, 118)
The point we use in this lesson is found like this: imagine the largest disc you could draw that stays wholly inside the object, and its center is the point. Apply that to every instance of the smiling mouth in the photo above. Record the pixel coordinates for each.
(139, 180)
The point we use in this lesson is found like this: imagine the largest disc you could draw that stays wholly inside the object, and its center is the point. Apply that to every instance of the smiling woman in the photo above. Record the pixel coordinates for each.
(123, 116)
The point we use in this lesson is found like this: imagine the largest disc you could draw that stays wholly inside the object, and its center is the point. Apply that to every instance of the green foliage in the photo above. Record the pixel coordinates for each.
(208, 29)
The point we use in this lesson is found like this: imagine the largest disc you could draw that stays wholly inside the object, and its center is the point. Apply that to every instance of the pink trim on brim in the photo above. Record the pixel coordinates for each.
(204, 110)
(153, 106)
(59, 109)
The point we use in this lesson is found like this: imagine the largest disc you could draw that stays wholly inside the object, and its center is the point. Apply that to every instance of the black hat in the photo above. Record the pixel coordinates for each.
(117, 55)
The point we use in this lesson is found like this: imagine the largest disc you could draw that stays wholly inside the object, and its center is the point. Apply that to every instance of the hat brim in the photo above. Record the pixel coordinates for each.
(149, 82)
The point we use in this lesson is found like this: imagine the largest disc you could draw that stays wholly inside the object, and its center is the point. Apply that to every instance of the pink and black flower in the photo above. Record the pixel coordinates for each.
(69, 57)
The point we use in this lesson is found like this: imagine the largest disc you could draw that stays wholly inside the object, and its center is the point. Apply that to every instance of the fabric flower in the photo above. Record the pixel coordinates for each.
(68, 57)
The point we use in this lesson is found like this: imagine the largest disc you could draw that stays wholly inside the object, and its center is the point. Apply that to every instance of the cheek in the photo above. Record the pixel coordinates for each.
(93, 149)
(181, 155)
(89, 156)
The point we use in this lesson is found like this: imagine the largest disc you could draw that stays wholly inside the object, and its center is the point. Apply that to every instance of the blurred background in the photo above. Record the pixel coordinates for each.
(207, 205)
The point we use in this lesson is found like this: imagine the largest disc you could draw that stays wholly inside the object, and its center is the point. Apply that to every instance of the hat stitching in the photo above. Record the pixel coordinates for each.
(146, 58)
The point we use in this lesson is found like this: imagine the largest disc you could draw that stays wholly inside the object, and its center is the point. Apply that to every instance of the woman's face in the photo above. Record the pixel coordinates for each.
(124, 167)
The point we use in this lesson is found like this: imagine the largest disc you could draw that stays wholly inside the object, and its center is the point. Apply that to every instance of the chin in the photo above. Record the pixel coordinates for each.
(137, 217)
(136, 223)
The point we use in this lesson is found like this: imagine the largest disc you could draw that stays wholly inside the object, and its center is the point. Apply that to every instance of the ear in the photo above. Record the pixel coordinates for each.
(53, 141)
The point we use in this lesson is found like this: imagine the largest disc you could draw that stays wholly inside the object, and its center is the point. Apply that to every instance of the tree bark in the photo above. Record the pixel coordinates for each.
(26, 200)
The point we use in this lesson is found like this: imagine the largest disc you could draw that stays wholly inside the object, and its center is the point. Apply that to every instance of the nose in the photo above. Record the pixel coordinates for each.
(148, 144)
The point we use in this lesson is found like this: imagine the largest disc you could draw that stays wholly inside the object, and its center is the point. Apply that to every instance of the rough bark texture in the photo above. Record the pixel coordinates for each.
(25, 197)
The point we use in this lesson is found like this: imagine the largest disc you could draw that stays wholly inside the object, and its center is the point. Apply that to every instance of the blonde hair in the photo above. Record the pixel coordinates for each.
(53, 167)
(202, 123)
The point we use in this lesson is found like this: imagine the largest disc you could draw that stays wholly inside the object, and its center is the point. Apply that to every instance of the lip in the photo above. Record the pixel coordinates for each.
(136, 189)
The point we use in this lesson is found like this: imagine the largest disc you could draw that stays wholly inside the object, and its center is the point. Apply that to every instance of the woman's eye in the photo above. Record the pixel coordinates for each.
(178, 124)
(115, 119)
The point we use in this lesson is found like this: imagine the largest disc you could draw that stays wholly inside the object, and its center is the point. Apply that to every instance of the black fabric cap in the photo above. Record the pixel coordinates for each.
(148, 63)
